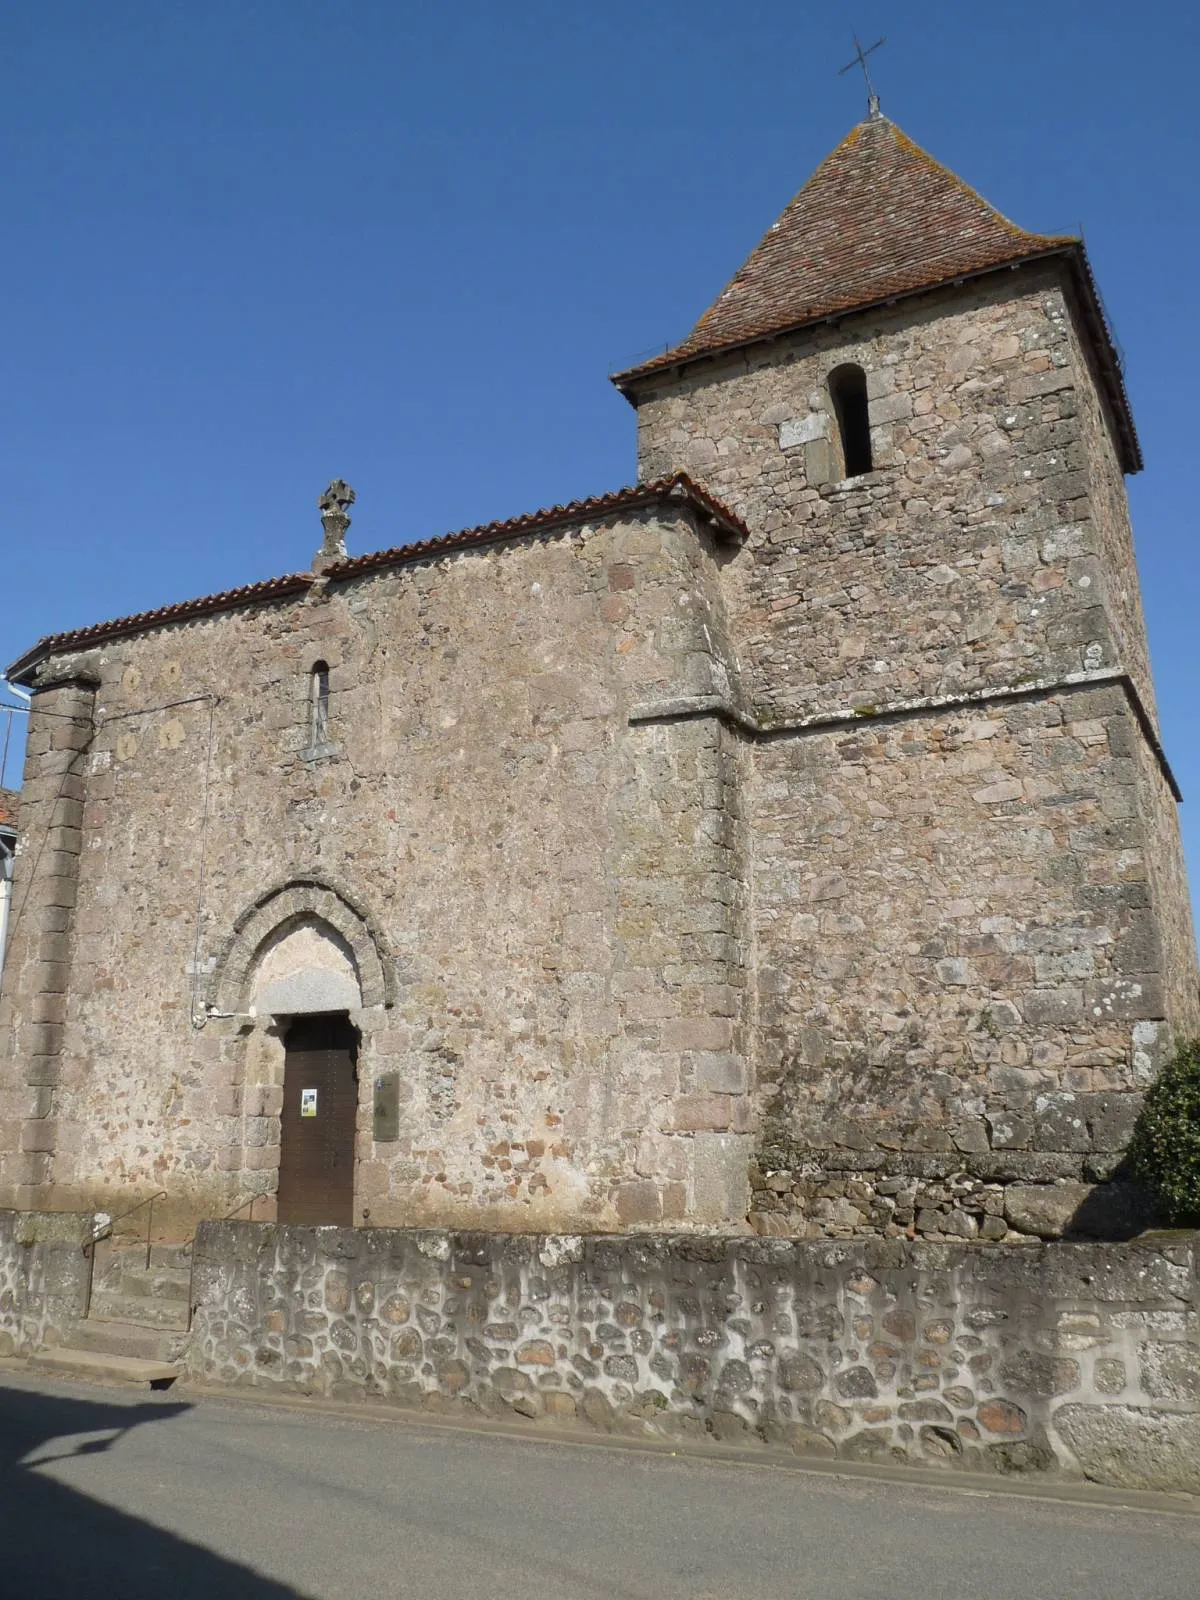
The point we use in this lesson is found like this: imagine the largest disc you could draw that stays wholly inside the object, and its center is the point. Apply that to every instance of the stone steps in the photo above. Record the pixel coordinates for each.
(127, 1290)
(158, 1283)
(136, 1327)
(170, 1257)
(127, 1339)
(173, 1257)
(98, 1364)
(142, 1308)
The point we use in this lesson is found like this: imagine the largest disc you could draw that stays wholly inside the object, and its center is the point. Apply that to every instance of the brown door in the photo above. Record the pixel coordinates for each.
(320, 1107)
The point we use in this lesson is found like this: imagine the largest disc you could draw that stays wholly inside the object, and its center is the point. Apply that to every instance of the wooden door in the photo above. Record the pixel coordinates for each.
(320, 1108)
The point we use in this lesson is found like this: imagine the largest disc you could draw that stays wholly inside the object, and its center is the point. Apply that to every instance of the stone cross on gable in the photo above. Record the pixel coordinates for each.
(860, 60)
(334, 506)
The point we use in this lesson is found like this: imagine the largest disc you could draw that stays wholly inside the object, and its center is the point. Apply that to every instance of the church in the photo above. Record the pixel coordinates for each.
(784, 842)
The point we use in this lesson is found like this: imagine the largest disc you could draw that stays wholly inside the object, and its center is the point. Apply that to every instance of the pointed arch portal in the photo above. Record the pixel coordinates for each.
(303, 946)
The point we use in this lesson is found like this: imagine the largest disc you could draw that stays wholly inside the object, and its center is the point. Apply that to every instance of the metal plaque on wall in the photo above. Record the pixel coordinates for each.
(386, 1121)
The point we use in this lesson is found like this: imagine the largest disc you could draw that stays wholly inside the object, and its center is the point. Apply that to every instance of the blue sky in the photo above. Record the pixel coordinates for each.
(256, 245)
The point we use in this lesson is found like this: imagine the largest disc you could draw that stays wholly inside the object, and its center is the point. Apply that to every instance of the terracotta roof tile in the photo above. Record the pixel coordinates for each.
(878, 219)
(9, 800)
(228, 600)
(678, 488)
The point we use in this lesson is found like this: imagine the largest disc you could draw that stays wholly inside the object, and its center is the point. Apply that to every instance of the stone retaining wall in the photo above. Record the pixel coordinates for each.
(1077, 1359)
(44, 1277)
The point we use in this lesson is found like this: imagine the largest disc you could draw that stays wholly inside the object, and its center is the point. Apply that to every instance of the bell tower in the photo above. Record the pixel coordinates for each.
(974, 928)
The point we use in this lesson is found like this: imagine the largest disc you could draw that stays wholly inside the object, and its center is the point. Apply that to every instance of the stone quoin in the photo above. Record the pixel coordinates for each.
(785, 843)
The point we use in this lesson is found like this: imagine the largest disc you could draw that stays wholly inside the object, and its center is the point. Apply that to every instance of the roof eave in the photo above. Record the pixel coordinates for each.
(24, 668)
(1104, 350)
(678, 489)
(676, 361)
(1099, 334)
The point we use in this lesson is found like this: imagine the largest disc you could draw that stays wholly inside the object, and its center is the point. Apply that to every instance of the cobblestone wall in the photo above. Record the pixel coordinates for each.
(44, 1278)
(1075, 1359)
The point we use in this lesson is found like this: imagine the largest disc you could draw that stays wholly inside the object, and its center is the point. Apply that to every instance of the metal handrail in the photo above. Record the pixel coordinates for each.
(105, 1232)
(241, 1206)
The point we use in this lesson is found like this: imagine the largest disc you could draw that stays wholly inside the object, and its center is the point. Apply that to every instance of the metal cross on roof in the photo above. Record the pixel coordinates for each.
(860, 60)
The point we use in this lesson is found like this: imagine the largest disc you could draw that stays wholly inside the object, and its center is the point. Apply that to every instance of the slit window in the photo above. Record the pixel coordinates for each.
(318, 704)
(848, 391)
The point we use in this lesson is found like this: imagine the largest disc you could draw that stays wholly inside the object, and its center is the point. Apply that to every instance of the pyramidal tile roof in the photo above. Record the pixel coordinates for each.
(878, 219)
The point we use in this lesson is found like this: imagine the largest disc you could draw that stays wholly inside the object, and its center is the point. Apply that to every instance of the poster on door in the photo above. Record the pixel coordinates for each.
(308, 1102)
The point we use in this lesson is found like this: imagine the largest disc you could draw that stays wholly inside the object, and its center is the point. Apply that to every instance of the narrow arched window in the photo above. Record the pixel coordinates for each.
(318, 704)
(848, 391)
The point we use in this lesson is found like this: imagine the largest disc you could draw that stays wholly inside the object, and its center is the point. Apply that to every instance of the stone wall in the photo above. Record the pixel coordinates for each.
(539, 900)
(654, 867)
(1167, 913)
(45, 1278)
(966, 560)
(961, 980)
(1108, 532)
(1073, 1359)
(972, 934)
(37, 965)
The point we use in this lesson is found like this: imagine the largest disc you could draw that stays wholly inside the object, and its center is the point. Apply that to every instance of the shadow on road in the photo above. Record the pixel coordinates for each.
(58, 1543)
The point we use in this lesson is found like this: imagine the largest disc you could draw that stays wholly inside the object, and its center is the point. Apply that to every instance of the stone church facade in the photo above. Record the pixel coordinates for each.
(784, 842)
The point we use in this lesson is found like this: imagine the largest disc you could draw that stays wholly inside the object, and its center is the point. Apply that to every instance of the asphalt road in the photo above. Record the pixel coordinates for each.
(111, 1494)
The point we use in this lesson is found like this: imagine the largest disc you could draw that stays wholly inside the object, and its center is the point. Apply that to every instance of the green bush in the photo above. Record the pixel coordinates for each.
(1164, 1153)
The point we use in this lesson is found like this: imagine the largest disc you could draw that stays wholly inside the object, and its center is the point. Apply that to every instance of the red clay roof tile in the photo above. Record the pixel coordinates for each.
(228, 600)
(878, 219)
(677, 488)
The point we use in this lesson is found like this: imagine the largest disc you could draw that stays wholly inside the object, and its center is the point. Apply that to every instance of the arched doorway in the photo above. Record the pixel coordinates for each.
(306, 974)
(305, 979)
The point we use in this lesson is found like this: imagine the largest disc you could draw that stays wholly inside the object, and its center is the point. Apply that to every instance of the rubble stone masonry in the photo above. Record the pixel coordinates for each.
(827, 883)
(41, 926)
(541, 904)
(972, 936)
(988, 547)
(1078, 1360)
(45, 1278)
